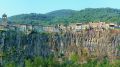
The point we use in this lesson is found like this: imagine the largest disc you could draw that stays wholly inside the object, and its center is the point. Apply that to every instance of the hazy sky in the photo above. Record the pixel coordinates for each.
(14, 7)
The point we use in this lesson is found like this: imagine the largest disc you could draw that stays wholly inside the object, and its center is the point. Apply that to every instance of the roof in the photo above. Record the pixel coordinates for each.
(4, 15)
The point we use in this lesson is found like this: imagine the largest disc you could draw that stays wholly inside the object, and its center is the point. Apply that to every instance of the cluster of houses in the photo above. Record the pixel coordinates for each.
(75, 27)
(96, 25)
(27, 28)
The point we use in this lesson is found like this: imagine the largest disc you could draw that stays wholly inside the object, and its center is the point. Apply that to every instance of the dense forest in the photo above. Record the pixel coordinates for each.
(66, 16)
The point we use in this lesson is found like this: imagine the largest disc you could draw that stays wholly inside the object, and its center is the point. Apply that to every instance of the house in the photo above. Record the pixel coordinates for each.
(48, 28)
(10, 27)
(61, 27)
(21, 27)
(78, 27)
(37, 28)
(97, 24)
(85, 26)
(29, 27)
(2, 27)
(101, 25)
(75, 27)
(112, 25)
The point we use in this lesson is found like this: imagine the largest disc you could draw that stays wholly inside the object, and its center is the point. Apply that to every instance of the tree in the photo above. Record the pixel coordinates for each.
(38, 62)
(28, 63)
(10, 64)
(74, 57)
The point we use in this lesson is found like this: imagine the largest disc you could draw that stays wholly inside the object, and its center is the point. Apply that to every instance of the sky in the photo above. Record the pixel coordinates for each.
(15, 7)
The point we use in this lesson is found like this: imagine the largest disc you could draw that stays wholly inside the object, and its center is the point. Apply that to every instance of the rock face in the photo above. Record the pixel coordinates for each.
(17, 46)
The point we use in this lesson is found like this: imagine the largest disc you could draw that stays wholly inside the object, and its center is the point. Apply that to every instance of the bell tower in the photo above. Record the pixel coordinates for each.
(4, 19)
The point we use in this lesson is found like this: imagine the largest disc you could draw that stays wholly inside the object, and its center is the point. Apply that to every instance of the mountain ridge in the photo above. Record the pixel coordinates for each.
(67, 16)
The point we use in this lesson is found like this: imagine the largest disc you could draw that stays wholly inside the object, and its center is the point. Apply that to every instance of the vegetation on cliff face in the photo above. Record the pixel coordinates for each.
(86, 49)
(69, 16)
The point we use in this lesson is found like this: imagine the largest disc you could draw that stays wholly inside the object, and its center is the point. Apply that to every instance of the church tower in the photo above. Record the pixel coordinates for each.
(4, 19)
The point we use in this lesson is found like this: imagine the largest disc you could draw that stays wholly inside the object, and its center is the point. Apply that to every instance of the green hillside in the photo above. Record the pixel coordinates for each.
(97, 14)
(69, 16)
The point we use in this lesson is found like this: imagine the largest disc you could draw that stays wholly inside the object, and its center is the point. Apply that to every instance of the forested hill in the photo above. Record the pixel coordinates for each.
(97, 14)
(62, 13)
(69, 16)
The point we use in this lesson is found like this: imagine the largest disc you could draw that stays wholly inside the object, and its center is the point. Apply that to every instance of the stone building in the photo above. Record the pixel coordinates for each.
(4, 20)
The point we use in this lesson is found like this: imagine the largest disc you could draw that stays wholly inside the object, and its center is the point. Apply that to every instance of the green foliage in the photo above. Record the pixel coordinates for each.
(38, 62)
(28, 63)
(118, 47)
(41, 62)
(50, 62)
(10, 64)
(69, 16)
(74, 57)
